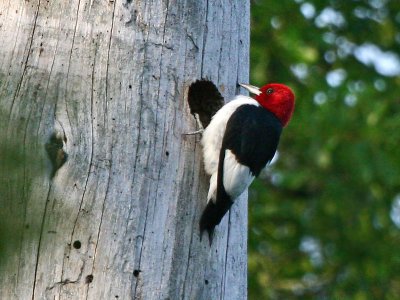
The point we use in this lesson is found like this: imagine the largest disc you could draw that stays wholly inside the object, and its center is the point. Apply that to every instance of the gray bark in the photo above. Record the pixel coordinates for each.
(119, 219)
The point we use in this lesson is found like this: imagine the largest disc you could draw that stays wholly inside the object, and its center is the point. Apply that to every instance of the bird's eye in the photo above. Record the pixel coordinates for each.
(270, 91)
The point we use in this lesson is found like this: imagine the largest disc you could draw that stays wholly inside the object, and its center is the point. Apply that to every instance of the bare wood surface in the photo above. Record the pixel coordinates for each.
(119, 220)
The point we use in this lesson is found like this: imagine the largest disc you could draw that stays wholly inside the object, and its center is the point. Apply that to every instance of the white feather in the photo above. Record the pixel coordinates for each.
(214, 132)
(212, 191)
(237, 177)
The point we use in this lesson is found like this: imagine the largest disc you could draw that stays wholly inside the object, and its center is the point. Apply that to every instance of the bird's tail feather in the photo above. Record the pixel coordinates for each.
(212, 215)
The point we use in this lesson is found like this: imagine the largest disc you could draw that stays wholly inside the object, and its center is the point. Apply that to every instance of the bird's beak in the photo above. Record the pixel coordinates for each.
(251, 88)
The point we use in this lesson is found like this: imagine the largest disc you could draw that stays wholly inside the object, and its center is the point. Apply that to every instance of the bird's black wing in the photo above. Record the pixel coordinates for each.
(252, 134)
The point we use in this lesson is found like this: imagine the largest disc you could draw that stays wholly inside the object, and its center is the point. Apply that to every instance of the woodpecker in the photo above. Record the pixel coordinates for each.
(239, 142)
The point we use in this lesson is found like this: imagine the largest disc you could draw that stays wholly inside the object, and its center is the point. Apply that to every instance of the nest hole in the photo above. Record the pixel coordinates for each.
(204, 100)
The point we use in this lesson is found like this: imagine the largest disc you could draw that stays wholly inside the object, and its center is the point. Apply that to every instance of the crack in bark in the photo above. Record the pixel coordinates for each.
(204, 41)
(48, 193)
(62, 282)
(156, 125)
(223, 280)
(66, 108)
(40, 243)
(191, 237)
(193, 220)
(70, 58)
(221, 63)
(24, 187)
(136, 157)
(100, 225)
(192, 40)
(47, 89)
(68, 281)
(26, 62)
(163, 45)
(141, 248)
(111, 153)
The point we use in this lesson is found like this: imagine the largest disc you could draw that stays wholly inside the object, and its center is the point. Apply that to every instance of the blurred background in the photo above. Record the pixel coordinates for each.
(325, 220)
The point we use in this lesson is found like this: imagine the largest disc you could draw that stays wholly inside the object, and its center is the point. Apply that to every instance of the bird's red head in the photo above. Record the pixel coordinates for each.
(278, 99)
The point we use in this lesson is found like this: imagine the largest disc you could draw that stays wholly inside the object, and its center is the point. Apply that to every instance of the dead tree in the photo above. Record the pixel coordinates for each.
(104, 196)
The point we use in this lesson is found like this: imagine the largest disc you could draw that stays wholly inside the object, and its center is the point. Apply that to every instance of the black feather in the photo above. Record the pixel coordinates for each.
(252, 134)
(216, 208)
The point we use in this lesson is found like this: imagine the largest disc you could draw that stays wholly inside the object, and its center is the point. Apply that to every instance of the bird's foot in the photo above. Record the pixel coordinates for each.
(199, 125)
(200, 131)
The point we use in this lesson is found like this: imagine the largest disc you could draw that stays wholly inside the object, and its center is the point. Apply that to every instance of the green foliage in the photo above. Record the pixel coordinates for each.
(322, 223)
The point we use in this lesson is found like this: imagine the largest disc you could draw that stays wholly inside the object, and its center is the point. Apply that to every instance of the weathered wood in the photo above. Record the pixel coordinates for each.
(109, 79)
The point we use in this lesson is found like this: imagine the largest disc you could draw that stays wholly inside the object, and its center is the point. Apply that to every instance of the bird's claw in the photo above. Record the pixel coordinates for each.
(200, 131)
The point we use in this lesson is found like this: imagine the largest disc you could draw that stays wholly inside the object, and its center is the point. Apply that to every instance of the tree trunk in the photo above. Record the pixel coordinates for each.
(100, 194)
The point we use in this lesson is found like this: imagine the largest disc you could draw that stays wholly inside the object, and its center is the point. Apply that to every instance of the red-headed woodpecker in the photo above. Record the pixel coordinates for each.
(239, 142)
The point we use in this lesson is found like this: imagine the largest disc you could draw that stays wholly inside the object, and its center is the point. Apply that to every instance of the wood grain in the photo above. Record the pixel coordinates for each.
(119, 219)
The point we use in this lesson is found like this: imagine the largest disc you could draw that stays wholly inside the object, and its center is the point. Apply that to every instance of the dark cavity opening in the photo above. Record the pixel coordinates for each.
(205, 100)
(77, 245)
(55, 152)
(136, 273)
(89, 278)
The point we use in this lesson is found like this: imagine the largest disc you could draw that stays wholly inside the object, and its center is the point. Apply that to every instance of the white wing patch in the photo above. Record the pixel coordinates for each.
(214, 132)
(237, 177)
(212, 191)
